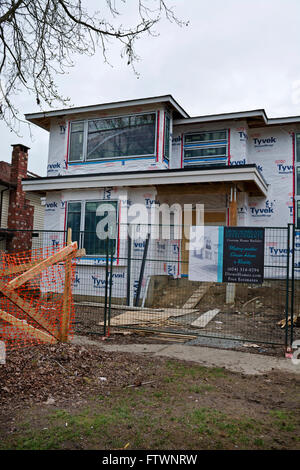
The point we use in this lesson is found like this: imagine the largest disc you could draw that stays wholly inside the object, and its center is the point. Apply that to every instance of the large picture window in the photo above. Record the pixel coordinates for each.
(205, 148)
(91, 223)
(110, 138)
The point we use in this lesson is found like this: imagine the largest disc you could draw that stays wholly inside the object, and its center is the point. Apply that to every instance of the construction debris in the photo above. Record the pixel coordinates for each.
(120, 307)
(173, 338)
(205, 318)
(296, 321)
(249, 302)
(141, 318)
(197, 295)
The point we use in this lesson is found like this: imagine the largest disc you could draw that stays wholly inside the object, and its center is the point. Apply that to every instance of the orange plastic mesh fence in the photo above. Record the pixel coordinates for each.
(37, 310)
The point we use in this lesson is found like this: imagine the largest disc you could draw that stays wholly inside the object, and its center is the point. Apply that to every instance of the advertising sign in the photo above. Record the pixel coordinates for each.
(227, 254)
(243, 255)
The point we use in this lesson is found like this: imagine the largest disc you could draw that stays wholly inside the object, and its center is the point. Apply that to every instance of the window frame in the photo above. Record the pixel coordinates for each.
(82, 222)
(85, 139)
(166, 140)
(198, 145)
(296, 167)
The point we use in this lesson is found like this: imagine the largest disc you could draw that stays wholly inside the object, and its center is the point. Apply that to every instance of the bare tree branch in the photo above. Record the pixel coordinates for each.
(39, 38)
(14, 6)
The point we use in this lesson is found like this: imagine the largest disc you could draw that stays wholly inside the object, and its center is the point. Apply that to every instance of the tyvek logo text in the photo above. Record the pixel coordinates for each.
(267, 142)
(266, 211)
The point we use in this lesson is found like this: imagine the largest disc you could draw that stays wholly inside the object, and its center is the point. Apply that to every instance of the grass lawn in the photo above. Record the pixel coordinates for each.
(166, 404)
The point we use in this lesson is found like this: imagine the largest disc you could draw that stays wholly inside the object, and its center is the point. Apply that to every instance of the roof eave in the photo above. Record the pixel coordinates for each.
(255, 118)
(247, 173)
(259, 113)
(42, 119)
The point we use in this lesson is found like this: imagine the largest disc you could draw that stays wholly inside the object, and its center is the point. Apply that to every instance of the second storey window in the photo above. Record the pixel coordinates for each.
(110, 138)
(208, 147)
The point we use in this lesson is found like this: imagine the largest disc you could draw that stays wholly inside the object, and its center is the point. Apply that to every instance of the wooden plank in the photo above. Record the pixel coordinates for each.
(119, 307)
(136, 318)
(162, 333)
(133, 317)
(31, 312)
(31, 270)
(282, 322)
(79, 253)
(156, 334)
(65, 322)
(24, 327)
(197, 295)
(14, 269)
(205, 318)
(46, 263)
(233, 213)
(179, 312)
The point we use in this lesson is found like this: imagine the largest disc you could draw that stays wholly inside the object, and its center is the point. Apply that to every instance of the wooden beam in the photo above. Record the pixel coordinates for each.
(31, 270)
(65, 321)
(24, 327)
(61, 255)
(205, 318)
(31, 312)
(79, 253)
(14, 269)
(233, 213)
(233, 206)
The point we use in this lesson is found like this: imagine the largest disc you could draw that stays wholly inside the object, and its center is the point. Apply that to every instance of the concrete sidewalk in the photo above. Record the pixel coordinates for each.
(235, 361)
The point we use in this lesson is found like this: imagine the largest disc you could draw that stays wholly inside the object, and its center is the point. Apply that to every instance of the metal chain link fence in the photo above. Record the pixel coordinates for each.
(142, 283)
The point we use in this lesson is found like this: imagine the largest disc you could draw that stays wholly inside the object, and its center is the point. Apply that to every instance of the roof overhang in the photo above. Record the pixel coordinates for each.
(249, 175)
(42, 119)
(255, 118)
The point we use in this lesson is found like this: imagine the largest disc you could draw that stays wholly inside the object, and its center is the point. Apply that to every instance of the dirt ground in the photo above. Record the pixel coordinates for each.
(254, 315)
(72, 397)
(253, 318)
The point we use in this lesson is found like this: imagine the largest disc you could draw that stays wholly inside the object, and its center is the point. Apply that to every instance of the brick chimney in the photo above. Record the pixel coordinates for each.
(20, 212)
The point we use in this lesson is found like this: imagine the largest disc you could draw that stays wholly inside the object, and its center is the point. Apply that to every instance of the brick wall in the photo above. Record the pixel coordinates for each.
(20, 211)
(5, 171)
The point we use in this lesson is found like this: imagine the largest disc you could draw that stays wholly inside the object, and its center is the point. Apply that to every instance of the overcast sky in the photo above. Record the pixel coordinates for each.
(235, 55)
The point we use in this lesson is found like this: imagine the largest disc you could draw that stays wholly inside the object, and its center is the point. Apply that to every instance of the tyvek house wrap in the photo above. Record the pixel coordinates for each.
(90, 272)
(59, 148)
(270, 148)
(272, 151)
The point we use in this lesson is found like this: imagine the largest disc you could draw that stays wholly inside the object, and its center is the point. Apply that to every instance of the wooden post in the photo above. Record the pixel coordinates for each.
(65, 321)
(233, 213)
